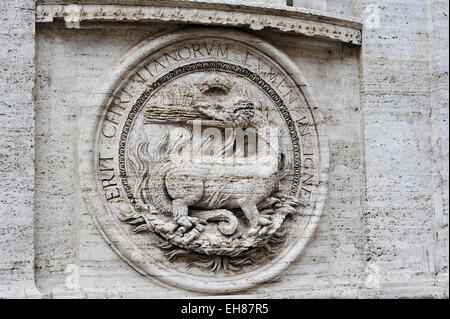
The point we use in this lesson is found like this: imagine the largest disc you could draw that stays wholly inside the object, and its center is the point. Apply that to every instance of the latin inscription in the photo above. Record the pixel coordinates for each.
(108, 178)
(222, 207)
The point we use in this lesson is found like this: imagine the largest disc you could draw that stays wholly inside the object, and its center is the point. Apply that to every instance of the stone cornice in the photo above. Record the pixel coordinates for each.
(305, 22)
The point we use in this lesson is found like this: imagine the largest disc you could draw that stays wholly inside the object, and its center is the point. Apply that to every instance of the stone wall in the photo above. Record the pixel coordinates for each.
(384, 228)
(17, 39)
(406, 196)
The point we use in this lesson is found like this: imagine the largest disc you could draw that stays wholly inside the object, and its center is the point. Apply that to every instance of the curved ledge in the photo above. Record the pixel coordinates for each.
(305, 22)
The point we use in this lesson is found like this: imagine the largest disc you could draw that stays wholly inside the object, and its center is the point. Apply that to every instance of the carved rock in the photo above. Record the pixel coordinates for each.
(207, 147)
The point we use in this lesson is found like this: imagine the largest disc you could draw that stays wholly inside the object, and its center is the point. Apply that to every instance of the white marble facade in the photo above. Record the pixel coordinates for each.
(98, 98)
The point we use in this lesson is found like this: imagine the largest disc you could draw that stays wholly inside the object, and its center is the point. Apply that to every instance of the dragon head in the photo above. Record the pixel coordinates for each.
(238, 112)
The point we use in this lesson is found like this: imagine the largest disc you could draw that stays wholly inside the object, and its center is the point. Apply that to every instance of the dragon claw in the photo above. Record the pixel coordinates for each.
(184, 221)
(181, 230)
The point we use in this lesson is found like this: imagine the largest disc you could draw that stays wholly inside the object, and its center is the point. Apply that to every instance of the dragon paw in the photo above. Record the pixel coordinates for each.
(186, 223)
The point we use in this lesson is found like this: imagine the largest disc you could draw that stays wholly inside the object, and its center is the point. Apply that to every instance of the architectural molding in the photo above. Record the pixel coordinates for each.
(311, 23)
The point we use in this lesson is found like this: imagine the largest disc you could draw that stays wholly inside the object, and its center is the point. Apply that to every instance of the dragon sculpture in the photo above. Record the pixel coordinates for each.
(195, 194)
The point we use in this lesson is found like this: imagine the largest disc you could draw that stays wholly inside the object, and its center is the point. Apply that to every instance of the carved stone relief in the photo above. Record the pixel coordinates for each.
(302, 21)
(205, 166)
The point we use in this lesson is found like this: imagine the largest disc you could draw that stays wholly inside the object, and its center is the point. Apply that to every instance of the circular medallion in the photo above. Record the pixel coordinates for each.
(204, 167)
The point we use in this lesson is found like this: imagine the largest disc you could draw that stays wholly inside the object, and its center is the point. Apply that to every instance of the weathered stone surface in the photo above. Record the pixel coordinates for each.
(17, 149)
(98, 262)
(206, 142)
(256, 17)
(384, 108)
(405, 210)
